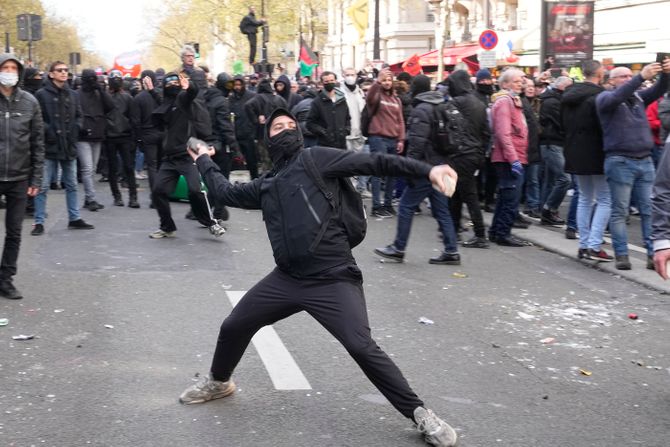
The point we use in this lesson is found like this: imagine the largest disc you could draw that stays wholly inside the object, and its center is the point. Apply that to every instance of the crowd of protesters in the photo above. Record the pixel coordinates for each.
(529, 141)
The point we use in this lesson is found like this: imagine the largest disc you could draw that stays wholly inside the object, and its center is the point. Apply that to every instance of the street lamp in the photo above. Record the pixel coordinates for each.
(438, 16)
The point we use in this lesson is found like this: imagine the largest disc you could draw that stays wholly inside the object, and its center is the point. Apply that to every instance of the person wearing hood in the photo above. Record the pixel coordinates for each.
(245, 131)
(585, 158)
(471, 156)
(222, 138)
(257, 110)
(224, 83)
(386, 135)
(180, 116)
(301, 112)
(62, 116)
(283, 88)
(420, 137)
(32, 80)
(555, 182)
(148, 137)
(119, 142)
(95, 105)
(21, 170)
(329, 117)
(323, 280)
(509, 155)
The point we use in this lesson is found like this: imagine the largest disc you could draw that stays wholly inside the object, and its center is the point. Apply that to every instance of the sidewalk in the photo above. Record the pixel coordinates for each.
(553, 239)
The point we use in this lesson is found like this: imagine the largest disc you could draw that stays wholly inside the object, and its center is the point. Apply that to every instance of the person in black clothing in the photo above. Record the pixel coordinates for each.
(283, 88)
(249, 26)
(328, 116)
(148, 137)
(421, 147)
(119, 141)
(488, 181)
(470, 159)
(245, 133)
(325, 282)
(180, 116)
(257, 110)
(555, 182)
(531, 108)
(222, 138)
(32, 80)
(224, 83)
(301, 112)
(96, 103)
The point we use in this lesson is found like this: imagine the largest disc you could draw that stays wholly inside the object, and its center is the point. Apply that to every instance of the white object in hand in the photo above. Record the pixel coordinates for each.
(450, 186)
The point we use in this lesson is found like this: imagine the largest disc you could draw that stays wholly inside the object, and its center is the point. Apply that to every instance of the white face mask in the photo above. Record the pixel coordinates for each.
(350, 80)
(8, 79)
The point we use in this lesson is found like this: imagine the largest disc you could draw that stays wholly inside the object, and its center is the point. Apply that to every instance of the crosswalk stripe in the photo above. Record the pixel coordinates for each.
(282, 368)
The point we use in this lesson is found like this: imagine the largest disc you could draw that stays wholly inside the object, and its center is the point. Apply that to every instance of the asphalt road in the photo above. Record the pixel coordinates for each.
(528, 348)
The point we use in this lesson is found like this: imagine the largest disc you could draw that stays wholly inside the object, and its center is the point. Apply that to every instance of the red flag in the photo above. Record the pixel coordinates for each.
(412, 65)
(306, 54)
(129, 63)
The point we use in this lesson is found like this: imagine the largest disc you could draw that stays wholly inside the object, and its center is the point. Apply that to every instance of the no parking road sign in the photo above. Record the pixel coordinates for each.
(488, 39)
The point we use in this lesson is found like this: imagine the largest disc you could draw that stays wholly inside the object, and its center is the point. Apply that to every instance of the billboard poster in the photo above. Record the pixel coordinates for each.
(569, 32)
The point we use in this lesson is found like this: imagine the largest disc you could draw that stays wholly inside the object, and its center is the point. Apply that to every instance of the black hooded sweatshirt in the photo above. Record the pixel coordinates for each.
(474, 111)
(331, 258)
(264, 103)
(141, 110)
(291, 98)
(95, 105)
(244, 127)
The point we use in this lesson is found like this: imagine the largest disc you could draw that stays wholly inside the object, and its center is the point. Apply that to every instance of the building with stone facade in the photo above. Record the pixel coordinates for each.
(625, 31)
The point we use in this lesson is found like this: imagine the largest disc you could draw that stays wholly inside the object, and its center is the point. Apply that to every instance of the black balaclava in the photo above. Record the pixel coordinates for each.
(30, 84)
(89, 80)
(173, 90)
(151, 75)
(285, 144)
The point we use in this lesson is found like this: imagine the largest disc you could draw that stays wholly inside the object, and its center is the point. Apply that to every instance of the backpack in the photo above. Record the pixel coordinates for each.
(450, 129)
(365, 121)
(350, 207)
(242, 27)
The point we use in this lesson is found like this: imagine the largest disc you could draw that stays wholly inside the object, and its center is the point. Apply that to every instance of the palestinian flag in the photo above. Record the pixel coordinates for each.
(306, 54)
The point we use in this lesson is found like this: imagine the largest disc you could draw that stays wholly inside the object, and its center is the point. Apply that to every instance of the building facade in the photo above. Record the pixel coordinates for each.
(625, 31)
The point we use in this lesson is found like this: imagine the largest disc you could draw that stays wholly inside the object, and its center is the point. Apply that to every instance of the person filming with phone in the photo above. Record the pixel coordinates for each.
(627, 142)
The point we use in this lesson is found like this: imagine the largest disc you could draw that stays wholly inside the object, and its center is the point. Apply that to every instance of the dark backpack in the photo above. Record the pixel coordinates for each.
(365, 122)
(450, 129)
(348, 205)
(243, 29)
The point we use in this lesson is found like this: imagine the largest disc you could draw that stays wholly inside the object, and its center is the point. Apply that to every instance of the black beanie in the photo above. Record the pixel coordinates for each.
(420, 84)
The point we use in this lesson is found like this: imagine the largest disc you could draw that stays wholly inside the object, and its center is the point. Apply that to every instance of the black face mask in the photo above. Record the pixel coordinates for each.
(115, 84)
(171, 91)
(284, 145)
(32, 84)
(88, 84)
(329, 87)
(486, 89)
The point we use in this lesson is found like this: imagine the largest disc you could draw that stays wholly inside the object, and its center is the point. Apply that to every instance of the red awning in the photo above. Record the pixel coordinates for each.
(451, 55)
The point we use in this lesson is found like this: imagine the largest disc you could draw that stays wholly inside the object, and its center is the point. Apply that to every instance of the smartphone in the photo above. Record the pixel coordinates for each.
(660, 57)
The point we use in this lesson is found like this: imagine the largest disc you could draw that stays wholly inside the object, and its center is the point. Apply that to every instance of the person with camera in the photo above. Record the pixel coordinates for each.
(319, 276)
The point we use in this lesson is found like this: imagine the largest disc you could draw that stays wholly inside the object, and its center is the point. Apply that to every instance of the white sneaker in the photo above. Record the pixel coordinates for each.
(217, 230)
(160, 234)
(206, 389)
(435, 431)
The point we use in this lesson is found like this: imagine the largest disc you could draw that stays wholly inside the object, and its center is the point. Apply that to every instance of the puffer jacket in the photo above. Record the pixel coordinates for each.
(510, 131)
(21, 136)
(62, 120)
(118, 119)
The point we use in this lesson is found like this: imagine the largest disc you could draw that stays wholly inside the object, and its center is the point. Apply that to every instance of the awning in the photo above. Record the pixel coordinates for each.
(451, 57)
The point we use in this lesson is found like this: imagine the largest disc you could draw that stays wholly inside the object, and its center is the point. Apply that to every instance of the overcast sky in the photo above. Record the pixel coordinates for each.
(108, 28)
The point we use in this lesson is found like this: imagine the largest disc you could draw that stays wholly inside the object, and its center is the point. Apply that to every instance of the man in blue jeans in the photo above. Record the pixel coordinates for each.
(62, 123)
(628, 142)
(422, 147)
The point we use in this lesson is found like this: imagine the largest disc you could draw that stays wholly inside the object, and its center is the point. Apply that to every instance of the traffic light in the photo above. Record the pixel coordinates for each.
(196, 47)
(29, 27)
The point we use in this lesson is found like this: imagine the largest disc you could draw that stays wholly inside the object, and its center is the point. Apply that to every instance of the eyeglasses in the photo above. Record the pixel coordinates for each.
(622, 76)
(189, 55)
(62, 70)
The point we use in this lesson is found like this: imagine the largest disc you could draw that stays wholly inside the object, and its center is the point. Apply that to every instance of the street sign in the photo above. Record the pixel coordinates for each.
(488, 39)
(487, 59)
